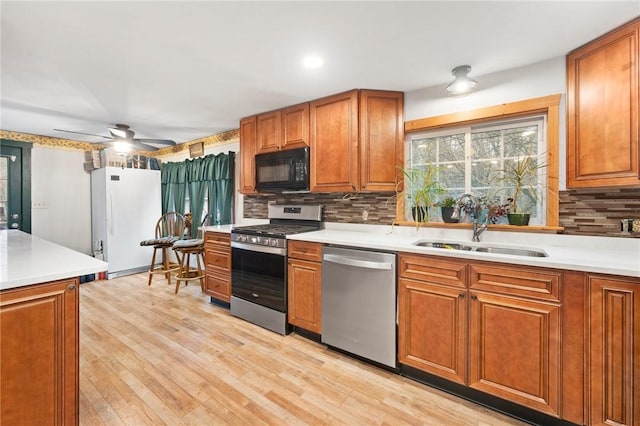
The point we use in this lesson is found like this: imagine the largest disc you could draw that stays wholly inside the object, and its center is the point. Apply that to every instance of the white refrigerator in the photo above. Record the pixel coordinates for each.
(125, 206)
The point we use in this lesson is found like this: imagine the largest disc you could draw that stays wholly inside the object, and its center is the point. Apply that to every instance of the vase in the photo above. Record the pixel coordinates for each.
(518, 219)
(446, 213)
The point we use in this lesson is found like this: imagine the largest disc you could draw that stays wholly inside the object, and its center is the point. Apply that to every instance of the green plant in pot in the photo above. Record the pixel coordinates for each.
(521, 179)
(447, 205)
(423, 189)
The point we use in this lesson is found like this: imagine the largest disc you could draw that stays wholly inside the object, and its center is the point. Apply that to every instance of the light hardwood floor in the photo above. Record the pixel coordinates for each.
(151, 357)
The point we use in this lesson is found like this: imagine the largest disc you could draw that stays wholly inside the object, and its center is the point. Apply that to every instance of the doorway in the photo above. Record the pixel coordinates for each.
(15, 185)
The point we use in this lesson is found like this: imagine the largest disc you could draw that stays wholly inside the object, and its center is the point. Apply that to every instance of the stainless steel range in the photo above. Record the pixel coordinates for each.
(259, 264)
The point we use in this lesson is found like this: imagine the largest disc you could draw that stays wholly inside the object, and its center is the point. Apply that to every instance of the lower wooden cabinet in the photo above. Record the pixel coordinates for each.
(614, 350)
(217, 261)
(39, 352)
(495, 328)
(514, 350)
(305, 285)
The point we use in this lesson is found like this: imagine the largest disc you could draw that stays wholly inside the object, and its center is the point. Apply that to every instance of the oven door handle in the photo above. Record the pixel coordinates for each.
(262, 249)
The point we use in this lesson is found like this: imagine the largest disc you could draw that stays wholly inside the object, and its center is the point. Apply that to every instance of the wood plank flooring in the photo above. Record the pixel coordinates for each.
(151, 357)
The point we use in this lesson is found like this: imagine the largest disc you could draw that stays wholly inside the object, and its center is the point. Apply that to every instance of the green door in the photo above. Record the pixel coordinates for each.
(15, 185)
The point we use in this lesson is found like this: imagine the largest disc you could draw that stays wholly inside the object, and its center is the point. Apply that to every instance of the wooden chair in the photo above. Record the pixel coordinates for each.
(169, 229)
(184, 249)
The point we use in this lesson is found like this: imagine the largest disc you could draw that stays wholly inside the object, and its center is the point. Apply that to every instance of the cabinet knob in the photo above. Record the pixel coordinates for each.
(474, 297)
(71, 287)
(461, 295)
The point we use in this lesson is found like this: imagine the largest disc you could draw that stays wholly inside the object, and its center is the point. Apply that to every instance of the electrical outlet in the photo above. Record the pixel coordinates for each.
(365, 215)
(635, 225)
(39, 205)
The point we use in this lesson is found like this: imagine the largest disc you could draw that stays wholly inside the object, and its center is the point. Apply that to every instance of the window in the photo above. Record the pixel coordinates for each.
(472, 149)
(473, 160)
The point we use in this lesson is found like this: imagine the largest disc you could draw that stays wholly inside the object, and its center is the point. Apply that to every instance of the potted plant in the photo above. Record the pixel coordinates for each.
(447, 205)
(423, 189)
(521, 179)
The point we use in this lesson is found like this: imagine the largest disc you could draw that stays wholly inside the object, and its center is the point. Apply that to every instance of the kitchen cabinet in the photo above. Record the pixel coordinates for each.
(248, 127)
(217, 260)
(356, 141)
(305, 285)
(495, 328)
(603, 81)
(614, 350)
(39, 352)
(286, 128)
(433, 308)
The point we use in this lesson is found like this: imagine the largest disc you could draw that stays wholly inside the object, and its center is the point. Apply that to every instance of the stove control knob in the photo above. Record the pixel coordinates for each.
(255, 240)
(266, 241)
(274, 243)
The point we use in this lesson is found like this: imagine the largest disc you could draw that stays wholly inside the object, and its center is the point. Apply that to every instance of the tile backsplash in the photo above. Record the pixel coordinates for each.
(599, 212)
(373, 208)
(582, 212)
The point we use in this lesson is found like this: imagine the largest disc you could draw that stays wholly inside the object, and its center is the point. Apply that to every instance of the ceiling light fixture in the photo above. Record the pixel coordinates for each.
(312, 62)
(462, 83)
(122, 147)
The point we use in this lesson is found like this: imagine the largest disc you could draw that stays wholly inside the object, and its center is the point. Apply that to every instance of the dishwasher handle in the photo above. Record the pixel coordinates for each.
(349, 261)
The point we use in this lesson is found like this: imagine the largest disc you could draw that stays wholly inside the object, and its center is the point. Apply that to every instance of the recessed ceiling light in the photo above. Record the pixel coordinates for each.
(312, 61)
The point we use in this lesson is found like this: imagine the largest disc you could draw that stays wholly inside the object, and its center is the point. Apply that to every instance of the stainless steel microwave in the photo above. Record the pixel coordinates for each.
(283, 171)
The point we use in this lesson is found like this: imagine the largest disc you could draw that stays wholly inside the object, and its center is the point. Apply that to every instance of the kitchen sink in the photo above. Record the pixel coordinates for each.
(485, 248)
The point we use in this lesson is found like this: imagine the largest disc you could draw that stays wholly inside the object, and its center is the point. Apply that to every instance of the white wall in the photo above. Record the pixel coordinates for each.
(61, 187)
(540, 79)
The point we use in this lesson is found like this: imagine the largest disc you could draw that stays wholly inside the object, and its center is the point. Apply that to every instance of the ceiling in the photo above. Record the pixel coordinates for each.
(186, 70)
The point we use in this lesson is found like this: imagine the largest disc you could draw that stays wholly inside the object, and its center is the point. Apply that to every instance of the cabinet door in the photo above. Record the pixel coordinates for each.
(614, 355)
(295, 126)
(514, 350)
(39, 352)
(268, 131)
(602, 111)
(247, 155)
(334, 143)
(432, 328)
(305, 294)
(381, 139)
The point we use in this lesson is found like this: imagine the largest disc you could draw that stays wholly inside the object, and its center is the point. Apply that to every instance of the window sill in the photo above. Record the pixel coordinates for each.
(500, 227)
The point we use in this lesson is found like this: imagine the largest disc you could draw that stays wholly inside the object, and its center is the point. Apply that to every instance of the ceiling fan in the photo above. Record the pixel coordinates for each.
(123, 141)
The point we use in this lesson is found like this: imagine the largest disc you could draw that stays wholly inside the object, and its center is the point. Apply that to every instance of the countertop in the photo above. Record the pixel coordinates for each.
(607, 255)
(27, 260)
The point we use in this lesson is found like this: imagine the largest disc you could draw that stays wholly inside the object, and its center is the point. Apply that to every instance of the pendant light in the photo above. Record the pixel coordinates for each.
(462, 83)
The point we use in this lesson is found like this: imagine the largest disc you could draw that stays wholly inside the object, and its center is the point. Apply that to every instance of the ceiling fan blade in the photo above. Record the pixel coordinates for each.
(156, 141)
(142, 146)
(81, 133)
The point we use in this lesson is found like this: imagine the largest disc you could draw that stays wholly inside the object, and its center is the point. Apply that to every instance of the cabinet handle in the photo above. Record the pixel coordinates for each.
(461, 295)
(71, 287)
(474, 297)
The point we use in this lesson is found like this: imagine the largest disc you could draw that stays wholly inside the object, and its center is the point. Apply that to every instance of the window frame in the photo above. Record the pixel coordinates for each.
(548, 105)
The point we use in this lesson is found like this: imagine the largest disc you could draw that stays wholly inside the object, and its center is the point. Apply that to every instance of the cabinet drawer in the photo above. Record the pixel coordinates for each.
(517, 281)
(217, 239)
(218, 285)
(305, 250)
(217, 260)
(432, 269)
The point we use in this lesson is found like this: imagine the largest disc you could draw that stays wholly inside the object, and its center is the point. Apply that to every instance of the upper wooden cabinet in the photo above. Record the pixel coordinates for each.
(286, 128)
(602, 110)
(247, 155)
(356, 141)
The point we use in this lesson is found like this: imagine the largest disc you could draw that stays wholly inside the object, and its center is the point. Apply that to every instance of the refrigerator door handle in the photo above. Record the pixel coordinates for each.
(110, 216)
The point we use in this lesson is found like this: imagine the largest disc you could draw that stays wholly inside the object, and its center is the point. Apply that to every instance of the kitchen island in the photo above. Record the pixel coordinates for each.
(39, 320)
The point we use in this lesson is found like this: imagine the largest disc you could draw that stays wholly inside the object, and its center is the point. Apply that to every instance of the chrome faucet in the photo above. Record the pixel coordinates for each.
(471, 203)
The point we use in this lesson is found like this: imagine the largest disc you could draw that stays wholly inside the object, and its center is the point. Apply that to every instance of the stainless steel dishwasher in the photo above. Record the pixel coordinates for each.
(359, 303)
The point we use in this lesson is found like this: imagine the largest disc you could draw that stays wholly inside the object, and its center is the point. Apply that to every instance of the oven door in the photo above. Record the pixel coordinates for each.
(259, 278)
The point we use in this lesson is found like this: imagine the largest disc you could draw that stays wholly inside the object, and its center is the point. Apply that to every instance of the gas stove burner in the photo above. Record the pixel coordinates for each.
(273, 230)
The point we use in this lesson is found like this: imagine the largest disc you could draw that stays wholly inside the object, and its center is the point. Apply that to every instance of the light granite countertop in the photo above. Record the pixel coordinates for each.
(607, 255)
(27, 260)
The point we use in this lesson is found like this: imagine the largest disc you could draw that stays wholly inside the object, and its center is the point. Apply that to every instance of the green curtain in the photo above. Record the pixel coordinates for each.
(179, 187)
(219, 173)
(165, 179)
(197, 188)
